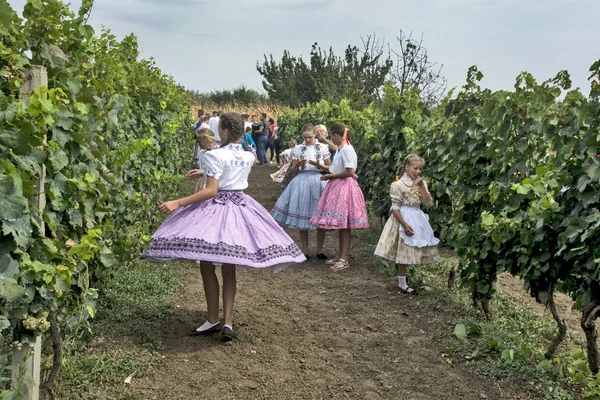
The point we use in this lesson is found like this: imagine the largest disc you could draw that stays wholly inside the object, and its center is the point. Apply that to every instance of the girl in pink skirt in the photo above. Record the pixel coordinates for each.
(342, 204)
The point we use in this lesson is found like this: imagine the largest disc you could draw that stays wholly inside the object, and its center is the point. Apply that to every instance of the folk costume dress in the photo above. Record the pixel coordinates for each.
(298, 202)
(394, 244)
(280, 174)
(342, 205)
(230, 228)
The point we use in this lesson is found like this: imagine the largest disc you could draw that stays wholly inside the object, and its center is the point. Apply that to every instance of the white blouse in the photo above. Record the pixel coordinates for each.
(230, 165)
(345, 157)
(288, 155)
(315, 152)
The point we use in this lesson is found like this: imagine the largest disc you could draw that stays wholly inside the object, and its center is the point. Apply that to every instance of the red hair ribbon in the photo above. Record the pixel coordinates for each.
(346, 141)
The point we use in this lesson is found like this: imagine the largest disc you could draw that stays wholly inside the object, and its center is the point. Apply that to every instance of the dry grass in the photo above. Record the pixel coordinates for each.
(271, 110)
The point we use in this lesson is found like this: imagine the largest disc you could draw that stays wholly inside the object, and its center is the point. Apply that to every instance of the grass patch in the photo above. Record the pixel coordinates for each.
(124, 338)
(508, 347)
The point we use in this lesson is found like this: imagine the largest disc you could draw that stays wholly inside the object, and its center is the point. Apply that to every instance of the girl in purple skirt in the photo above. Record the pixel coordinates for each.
(342, 205)
(221, 224)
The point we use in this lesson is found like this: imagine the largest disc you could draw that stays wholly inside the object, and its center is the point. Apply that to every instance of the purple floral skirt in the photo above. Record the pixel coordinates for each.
(231, 228)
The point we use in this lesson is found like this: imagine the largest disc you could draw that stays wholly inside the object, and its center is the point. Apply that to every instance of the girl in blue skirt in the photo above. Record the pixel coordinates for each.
(298, 202)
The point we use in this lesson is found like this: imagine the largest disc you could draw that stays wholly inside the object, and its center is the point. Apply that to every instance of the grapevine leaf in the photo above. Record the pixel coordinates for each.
(58, 159)
(10, 290)
(12, 203)
(7, 14)
(460, 331)
(20, 143)
(8, 267)
(4, 324)
(20, 228)
(74, 86)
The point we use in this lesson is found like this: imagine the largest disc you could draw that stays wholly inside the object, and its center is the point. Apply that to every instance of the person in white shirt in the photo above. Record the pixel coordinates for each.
(342, 206)
(286, 159)
(222, 224)
(213, 123)
(299, 200)
(205, 122)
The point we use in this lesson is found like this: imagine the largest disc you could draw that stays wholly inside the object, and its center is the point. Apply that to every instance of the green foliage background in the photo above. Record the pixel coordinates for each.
(515, 176)
(117, 132)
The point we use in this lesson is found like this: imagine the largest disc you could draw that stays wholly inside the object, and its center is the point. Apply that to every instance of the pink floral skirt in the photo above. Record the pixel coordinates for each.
(342, 206)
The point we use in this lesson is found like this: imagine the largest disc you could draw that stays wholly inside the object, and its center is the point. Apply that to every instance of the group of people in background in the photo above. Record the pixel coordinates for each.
(258, 138)
(220, 224)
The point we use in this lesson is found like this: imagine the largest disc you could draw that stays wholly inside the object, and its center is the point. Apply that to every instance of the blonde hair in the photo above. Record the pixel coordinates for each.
(411, 158)
(292, 141)
(320, 127)
(205, 133)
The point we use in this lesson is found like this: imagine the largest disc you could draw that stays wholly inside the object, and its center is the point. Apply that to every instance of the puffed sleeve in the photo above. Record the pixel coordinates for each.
(349, 158)
(296, 152)
(395, 194)
(325, 151)
(213, 165)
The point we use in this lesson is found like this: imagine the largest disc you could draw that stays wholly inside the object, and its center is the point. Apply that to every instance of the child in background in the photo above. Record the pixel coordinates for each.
(286, 159)
(222, 224)
(206, 141)
(247, 141)
(407, 237)
(342, 205)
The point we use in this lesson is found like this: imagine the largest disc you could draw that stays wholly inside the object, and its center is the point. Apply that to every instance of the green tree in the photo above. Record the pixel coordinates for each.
(358, 76)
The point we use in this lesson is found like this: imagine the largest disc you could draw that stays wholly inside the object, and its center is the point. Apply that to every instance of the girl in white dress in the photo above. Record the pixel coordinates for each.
(407, 237)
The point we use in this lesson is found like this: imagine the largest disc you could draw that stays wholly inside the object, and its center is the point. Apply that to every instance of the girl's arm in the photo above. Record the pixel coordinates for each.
(425, 195)
(325, 166)
(346, 174)
(295, 166)
(194, 174)
(332, 146)
(328, 142)
(208, 192)
(407, 229)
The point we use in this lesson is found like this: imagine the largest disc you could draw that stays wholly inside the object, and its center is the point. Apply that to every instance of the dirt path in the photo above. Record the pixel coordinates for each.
(309, 333)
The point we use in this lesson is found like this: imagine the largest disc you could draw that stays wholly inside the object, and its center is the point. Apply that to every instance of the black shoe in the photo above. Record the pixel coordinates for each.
(321, 256)
(227, 334)
(214, 329)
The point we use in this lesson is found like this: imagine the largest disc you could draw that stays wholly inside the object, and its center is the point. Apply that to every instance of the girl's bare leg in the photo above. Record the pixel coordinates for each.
(320, 240)
(304, 241)
(345, 238)
(229, 289)
(211, 290)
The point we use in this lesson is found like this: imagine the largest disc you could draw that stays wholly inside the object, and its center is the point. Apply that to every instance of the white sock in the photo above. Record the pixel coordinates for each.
(205, 326)
(402, 282)
(229, 326)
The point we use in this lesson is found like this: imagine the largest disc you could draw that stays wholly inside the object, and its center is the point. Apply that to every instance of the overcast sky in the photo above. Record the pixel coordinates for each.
(211, 45)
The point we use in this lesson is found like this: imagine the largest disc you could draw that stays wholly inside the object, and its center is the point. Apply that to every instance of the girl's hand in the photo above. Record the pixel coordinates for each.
(169, 206)
(315, 163)
(408, 230)
(326, 177)
(302, 163)
(419, 182)
(194, 174)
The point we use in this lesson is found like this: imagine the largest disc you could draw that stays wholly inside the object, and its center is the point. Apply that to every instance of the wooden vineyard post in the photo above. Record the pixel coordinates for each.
(27, 361)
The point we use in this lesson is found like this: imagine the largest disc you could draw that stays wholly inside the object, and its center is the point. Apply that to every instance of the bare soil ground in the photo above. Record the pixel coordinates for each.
(310, 333)
(514, 287)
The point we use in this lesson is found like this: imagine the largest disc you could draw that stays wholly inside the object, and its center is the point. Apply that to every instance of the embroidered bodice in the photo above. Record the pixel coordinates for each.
(404, 192)
(230, 165)
(314, 152)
